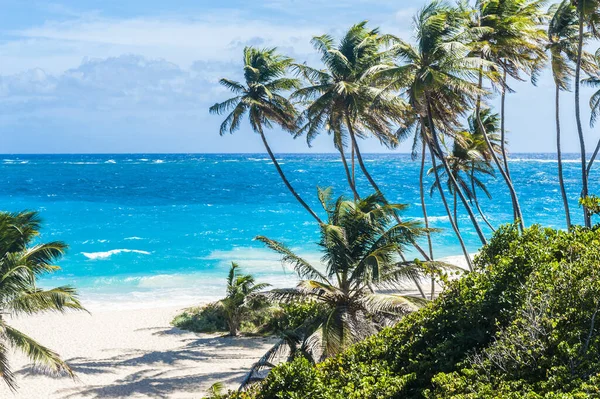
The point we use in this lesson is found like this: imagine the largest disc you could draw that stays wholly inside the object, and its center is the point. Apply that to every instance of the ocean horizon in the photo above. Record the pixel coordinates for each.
(161, 229)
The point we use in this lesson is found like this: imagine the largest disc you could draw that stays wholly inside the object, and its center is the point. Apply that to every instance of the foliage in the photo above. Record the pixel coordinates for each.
(592, 203)
(523, 324)
(242, 309)
(21, 263)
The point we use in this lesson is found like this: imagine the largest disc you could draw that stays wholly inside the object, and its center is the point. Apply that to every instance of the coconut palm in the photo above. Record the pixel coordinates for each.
(467, 164)
(261, 98)
(593, 81)
(360, 244)
(241, 290)
(434, 76)
(21, 262)
(562, 47)
(342, 99)
(588, 16)
(507, 34)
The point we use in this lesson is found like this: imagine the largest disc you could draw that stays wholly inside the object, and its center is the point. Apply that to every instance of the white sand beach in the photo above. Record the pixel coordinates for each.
(136, 353)
(130, 354)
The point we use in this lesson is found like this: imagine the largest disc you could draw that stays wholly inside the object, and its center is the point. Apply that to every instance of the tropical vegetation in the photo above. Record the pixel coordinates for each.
(23, 259)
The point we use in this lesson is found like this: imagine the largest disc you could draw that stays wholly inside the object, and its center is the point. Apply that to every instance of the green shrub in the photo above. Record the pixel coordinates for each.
(523, 325)
(205, 319)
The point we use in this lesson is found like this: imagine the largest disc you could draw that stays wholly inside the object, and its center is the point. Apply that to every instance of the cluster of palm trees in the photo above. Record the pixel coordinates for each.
(431, 90)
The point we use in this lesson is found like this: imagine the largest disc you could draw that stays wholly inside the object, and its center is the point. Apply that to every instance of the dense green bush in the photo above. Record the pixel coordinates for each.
(523, 325)
(264, 318)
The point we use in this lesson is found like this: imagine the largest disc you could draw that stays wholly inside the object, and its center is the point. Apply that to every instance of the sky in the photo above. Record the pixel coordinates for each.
(113, 76)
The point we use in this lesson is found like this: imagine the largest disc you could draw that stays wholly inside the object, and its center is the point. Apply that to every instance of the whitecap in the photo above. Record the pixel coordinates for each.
(108, 254)
(159, 161)
(110, 161)
(134, 238)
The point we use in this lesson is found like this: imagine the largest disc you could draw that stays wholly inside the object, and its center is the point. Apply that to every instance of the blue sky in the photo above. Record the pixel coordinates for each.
(139, 76)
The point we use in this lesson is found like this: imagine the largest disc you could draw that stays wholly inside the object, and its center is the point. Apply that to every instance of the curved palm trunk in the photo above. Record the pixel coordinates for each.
(438, 148)
(584, 180)
(454, 227)
(455, 210)
(561, 181)
(477, 201)
(592, 159)
(502, 129)
(348, 176)
(424, 208)
(285, 180)
(374, 185)
(513, 194)
(422, 192)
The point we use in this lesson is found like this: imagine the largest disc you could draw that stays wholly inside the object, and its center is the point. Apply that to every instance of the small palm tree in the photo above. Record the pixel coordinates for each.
(593, 81)
(261, 98)
(360, 244)
(21, 263)
(241, 291)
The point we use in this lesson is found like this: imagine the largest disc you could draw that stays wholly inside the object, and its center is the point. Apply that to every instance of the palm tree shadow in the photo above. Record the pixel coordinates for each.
(158, 373)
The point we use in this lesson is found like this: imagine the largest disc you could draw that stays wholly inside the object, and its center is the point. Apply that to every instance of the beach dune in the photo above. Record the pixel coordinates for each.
(130, 354)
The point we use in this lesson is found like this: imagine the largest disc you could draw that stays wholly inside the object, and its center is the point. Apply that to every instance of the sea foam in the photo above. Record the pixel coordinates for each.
(108, 254)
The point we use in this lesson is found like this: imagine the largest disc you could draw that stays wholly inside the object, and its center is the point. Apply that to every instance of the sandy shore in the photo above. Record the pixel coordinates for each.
(136, 354)
(130, 354)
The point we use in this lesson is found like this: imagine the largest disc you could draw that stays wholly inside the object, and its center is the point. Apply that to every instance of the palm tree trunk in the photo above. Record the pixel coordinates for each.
(454, 227)
(477, 201)
(455, 209)
(513, 194)
(592, 159)
(438, 148)
(422, 192)
(561, 181)
(424, 208)
(374, 185)
(584, 180)
(285, 180)
(348, 176)
(502, 129)
(353, 171)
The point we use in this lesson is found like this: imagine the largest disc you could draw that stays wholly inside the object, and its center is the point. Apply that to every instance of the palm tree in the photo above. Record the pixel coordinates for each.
(342, 99)
(21, 263)
(241, 289)
(592, 68)
(433, 75)
(562, 45)
(261, 98)
(588, 13)
(507, 34)
(360, 244)
(466, 164)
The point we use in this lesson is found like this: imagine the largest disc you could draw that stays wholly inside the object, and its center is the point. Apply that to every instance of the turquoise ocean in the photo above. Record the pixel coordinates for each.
(148, 230)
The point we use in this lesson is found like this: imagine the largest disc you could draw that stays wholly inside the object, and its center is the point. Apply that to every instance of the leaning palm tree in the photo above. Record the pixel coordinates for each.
(360, 244)
(506, 34)
(562, 46)
(467, 164)
(593, 81)
(342, 99)
(588, 16)
(21, 262)
(261, 98)
(241, 290)
(434, 76)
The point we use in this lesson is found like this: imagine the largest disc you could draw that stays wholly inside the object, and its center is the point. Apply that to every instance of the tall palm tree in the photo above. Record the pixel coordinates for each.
(342, 100)
(360, 244)
(22, 260)
(588, 15)
(240, 291)
(562, 44)
(593, 70)
(507, 34)
(261, 98)
(434, 76)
